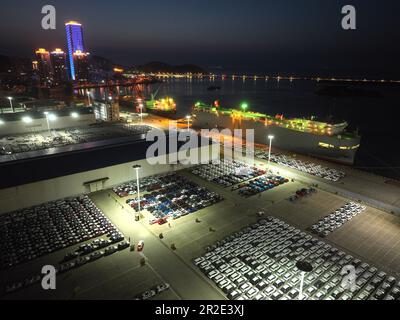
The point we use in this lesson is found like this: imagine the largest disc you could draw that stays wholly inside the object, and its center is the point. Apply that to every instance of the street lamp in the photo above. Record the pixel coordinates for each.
(49, 117)
(188, 118)
(270, 137)
(244, 106)
(11, 105)
(46, 113)
(141, 112)
(304, 267)
(88, 95)
(74, 115)
(137, 168)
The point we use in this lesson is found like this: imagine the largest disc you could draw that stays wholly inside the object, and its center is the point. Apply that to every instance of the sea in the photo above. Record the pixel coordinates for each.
(374, 115)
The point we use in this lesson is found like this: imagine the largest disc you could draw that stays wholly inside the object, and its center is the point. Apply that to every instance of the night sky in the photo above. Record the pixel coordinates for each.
(292, 36)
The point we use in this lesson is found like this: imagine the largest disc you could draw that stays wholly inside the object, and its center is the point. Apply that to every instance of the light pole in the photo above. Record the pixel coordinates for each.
(137, 168)
(11, 105)
(49, 117)
(46, 113)
(88, 95)
(188, 122)
(141, 112)
(270, 137)
(304, 267)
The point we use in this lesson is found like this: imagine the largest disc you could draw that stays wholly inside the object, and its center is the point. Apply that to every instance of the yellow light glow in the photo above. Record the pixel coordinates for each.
(41, 51)
(57, 51)
(73, 23)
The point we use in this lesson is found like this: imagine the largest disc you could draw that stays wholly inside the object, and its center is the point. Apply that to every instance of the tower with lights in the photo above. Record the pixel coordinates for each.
(75, 44)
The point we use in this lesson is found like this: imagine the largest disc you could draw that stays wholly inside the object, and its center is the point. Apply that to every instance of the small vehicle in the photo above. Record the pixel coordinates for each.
(110, 250)
(148, 294)
(140, 246)
(123, 245)
(163, 287)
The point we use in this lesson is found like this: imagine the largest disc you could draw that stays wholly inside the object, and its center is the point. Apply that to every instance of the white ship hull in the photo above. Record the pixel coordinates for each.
(337, 148)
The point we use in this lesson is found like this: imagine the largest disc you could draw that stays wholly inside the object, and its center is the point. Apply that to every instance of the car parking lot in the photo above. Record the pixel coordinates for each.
(336, 219)
(227, 172)
(33, 232)
(172, 196)
(63, 137)
(317, 170)
(259, 263)
(259, 185)
(147, 184)
(301, 193)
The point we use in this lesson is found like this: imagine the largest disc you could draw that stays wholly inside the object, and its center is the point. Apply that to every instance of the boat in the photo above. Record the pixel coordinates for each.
(163, 106)
(325, 140)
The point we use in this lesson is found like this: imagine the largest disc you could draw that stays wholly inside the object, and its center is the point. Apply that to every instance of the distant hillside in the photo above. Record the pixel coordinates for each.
(154, 67)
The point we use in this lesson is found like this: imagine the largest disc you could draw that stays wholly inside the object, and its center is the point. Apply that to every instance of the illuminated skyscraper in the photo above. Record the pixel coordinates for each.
(58, 58)
(75, 44)
(81, 64)
(44, 66)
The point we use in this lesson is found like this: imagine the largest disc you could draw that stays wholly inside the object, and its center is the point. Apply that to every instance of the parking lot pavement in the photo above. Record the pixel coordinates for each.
(357, 184)
(162, 260)
(374, 235)
(259, 262)
(126, 286)
(121, 270)
(308, 210)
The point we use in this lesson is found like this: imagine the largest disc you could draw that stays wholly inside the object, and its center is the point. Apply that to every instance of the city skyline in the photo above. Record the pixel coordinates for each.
(263, 36)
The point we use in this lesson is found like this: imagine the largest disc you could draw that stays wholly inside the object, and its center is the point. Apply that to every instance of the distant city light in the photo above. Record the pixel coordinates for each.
(27, 119)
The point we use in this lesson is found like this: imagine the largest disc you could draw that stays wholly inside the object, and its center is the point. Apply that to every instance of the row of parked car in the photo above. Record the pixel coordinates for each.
(91, 252)
(152, 292)
(301, 193)
(147, 184)
(259, 263)
(337, 218)
(260, 184)
(177, 197)
(33, 232)
(227, 173)
(308, 167)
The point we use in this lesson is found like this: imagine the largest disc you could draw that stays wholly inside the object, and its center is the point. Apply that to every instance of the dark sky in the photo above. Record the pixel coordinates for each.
(299, 36)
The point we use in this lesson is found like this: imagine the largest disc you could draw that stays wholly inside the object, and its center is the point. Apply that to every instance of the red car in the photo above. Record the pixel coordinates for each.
(140, 246)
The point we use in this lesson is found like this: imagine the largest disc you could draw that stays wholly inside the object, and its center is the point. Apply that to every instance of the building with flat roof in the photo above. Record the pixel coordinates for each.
(75, 43)
(58, 62)
(44, 66)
